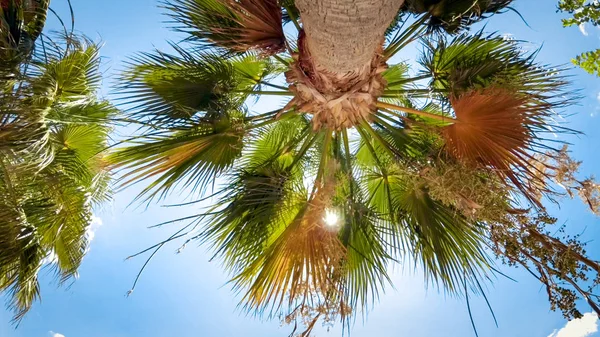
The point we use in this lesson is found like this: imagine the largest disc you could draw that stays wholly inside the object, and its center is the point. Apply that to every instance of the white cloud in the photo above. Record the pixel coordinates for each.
(50, 259)
(94, 225)
(55, 334)
(90, 234)
(583, 30)
(598, 97)
(582, 327)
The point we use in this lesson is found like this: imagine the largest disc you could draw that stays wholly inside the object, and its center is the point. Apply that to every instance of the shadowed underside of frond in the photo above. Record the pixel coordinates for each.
(454, 15)
(21, 23)
(496, 128)
(236, 25)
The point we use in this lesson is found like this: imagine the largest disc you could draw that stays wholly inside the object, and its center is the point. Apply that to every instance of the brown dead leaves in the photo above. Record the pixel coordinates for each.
(259, 26)
(493, 128)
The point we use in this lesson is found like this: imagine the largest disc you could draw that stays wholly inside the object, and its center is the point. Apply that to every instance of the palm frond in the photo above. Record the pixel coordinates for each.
(238, 26)
(476, 62)
(71, 77)
(367, 255)
(299, 262)
(452, 16)
(198, 154)
(52, 133)
(448, 247)
(257, 203)
(494, 128)
(260, 198)
(170, 90)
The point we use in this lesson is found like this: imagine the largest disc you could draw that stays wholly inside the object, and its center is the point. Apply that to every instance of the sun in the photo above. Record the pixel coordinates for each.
(331, 218)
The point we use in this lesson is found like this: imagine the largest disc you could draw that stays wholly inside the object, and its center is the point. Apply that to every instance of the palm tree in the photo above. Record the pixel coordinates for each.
(53, 128)
(364, 164)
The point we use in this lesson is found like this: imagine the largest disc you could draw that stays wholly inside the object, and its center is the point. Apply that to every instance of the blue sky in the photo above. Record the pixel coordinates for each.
(186, 295)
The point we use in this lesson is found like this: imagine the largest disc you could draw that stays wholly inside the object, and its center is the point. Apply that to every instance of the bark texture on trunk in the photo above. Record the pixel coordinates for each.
(342, 36)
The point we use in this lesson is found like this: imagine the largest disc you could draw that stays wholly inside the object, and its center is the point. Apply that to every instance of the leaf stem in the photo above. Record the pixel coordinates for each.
(270, 121)
(274, 86)
(280, 59)
(389, 107)
(293, 18)
(269, 93)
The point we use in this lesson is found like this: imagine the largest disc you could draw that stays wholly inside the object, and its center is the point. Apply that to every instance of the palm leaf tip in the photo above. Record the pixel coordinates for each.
(197, 155)
(235, 25)
(494, 128)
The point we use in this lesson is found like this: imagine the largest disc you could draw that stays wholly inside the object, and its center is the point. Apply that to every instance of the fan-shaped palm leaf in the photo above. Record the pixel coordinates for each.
(239, 26)
(198, 153)
(493, 128)
(173, 89)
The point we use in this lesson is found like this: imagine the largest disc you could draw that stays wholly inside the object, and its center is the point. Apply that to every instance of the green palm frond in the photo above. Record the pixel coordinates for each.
(255, 210)
(52, 135)
(173, 89)
(258, 199)
(277, 142)
(477, 62)
(61, 83)
(198, 153)
(290, 11)
(469, 62)
(73, 76)
(364, 238)
(433, 232)
(397, 76)
(452, 16)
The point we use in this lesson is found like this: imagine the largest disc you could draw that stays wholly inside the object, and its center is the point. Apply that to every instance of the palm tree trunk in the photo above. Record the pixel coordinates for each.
(342, 36)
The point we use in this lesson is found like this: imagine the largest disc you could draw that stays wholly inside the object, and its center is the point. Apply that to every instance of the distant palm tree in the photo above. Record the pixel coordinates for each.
(53, 128)
(363, 165)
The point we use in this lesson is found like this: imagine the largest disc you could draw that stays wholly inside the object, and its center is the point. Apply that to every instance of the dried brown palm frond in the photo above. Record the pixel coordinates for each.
(238, 25)
(495, 128)
(302, 265)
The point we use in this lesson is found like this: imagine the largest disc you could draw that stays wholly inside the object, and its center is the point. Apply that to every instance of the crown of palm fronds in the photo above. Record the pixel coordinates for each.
(283, 174)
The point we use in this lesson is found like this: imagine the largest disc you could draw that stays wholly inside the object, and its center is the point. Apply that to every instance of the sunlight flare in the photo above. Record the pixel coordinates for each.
(331, 218)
